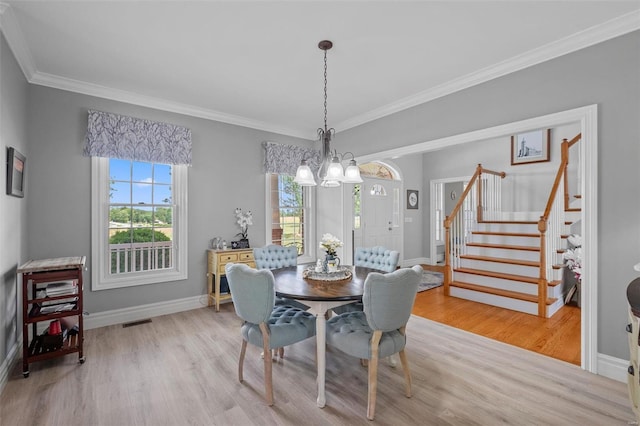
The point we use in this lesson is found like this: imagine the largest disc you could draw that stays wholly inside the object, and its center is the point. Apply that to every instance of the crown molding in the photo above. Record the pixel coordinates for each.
(594, 35)
(56, 82)
(12, 32)
(613, 28)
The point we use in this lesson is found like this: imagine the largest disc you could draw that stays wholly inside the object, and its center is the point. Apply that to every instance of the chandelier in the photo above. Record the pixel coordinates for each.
(331, 173)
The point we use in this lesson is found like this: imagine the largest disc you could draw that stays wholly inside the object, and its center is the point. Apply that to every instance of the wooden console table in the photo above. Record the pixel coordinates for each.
(216, 261)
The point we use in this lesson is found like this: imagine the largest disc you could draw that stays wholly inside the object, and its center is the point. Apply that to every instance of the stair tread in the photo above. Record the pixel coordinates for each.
(507, 234)
(504, 246)
(533, 263)
(499, 292)
(576, 209)
(577, 196)
(519, 222)
(554, 283)
(502, 275)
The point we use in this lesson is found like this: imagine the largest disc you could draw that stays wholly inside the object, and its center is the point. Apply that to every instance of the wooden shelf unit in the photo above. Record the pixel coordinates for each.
(216, 261)
(36, 275)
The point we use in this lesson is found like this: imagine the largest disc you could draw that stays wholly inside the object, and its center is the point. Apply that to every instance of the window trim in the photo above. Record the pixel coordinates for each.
(310, 225)
(101, 279)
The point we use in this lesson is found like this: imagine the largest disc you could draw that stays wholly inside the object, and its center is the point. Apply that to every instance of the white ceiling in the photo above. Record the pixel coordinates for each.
(257, 63)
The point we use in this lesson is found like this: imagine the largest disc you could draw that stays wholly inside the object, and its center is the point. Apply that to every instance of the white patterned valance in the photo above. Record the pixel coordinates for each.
(128, 138)
(285, 159)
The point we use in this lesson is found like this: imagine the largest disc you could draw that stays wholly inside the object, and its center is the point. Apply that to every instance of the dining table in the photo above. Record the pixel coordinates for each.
(320, 296)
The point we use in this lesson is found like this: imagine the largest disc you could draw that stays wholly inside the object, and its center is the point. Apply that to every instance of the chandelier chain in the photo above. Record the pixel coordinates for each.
(325, 90)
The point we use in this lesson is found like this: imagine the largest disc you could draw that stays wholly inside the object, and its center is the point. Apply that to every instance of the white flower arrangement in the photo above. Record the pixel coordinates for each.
(245, 219)
(329, 243)
(573, 256)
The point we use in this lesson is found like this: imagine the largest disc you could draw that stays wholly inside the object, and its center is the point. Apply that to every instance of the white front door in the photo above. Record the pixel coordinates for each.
(380, 209)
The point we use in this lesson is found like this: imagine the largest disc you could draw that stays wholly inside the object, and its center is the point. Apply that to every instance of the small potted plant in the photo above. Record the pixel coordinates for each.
(244, 220)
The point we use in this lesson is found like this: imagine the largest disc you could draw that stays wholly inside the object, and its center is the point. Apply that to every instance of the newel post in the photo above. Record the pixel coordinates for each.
(542, 278)
(479, 207)
(564, 151)
(447, 255)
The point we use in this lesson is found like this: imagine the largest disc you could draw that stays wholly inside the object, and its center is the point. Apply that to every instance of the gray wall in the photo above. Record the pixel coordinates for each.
(607, 74)
(227, 172)
(411, 169)
(13, 226)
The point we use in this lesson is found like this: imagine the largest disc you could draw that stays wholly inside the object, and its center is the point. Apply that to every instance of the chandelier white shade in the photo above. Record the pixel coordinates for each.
(331, 173)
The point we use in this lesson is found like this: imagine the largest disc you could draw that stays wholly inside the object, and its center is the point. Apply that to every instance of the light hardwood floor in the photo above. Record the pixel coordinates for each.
(181, 369)
(557, 337)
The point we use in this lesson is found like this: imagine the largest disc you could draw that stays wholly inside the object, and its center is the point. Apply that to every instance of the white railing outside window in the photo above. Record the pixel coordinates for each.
(141, 256)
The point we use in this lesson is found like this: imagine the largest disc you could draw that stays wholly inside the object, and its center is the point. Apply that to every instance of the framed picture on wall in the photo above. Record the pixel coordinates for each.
(412, 199)
(15, 172)
(530, 147)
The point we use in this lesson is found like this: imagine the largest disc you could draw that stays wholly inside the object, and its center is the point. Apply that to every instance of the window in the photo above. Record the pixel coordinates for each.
(290, 219)
(139, 225)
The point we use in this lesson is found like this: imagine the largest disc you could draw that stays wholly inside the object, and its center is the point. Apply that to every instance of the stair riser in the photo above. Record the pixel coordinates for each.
(492, 299)
(508, 240)
(506, 268)
(493, 282)
(508, 227)
(520, 287)
(504, 302)
(506, 253)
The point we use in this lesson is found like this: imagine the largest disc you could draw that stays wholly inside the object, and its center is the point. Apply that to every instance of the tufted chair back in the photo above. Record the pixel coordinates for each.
(376, 257)
(274, 257)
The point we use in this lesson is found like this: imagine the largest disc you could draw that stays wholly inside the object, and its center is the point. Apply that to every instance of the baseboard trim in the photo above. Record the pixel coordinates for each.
(7, 364)
(613, 368)
(407, 263)
(136, 313)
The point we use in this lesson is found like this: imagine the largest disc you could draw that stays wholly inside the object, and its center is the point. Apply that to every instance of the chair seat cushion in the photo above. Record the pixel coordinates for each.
(287, 325)
(282, 301)
(352, 335)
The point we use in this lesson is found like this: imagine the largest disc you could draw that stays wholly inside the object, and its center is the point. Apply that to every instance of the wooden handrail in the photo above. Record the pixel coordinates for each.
(448, 220)
(479, 171)
(561, 170)
(575, 140)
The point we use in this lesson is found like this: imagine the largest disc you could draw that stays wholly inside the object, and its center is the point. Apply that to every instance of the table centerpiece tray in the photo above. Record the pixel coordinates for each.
(342, 274)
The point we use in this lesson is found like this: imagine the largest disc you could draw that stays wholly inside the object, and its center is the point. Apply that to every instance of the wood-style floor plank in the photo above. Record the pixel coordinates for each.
(557, 337)
(181, 369)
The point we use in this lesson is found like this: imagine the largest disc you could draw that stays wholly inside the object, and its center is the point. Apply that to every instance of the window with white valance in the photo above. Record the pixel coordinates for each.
(128, 138)
(290, 217)
(285, 159)
(139, 200)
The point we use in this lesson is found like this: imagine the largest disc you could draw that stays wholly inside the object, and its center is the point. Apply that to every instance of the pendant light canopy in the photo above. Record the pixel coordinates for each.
(331, 173)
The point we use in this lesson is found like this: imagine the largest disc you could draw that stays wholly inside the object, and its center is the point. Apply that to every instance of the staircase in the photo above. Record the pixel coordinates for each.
(513, 264)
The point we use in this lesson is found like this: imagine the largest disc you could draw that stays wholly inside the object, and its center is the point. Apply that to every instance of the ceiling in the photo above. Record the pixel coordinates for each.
(257, 64)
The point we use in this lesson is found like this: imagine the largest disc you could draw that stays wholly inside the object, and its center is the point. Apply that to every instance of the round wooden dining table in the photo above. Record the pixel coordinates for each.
(320, 296)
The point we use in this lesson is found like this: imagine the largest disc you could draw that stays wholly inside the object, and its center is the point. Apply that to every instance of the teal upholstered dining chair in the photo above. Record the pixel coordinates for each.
(378, 331)
(274, 257)
(265, 325)
(376, 257)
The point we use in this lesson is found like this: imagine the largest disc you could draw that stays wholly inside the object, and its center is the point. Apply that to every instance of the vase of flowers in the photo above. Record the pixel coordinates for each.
(330, 244)
(244, 220)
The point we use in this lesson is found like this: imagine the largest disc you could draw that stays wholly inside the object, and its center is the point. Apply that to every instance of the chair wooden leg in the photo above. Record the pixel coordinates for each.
(407, 373)
(268, 377)
(373, 375)
(243, 350)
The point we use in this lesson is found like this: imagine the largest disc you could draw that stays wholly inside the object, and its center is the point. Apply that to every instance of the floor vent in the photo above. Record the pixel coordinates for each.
(131, 324)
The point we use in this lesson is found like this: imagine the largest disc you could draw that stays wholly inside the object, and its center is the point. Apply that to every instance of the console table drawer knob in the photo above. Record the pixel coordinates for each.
(629, 328)
(630, 370)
